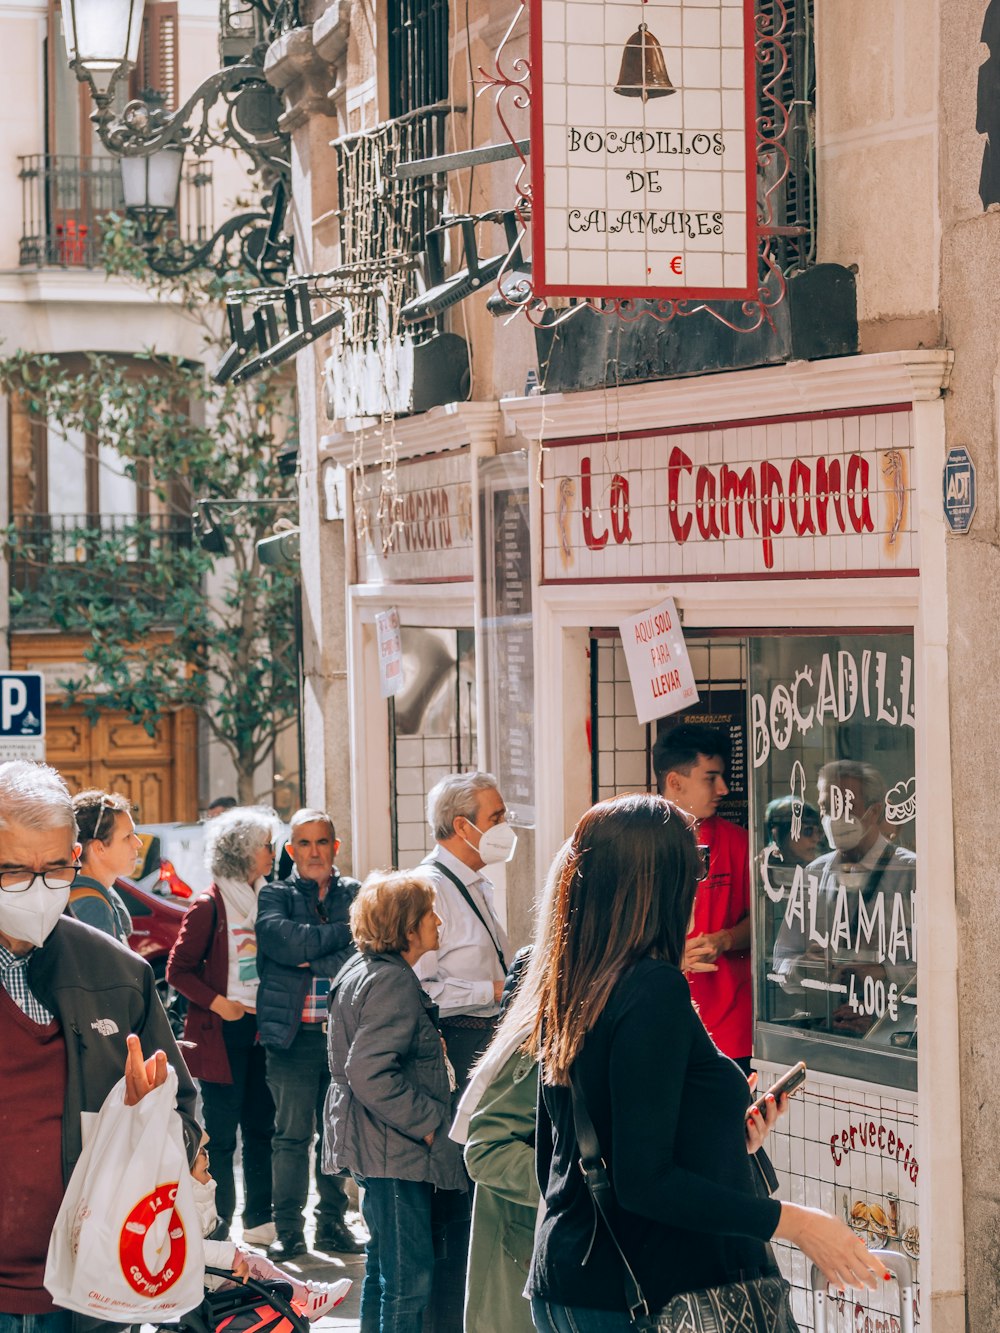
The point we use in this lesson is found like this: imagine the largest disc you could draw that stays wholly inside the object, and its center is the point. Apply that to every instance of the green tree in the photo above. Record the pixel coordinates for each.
(168, 623)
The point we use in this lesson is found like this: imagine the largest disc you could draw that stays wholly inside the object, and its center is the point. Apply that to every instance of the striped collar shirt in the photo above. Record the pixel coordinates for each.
(14, 979)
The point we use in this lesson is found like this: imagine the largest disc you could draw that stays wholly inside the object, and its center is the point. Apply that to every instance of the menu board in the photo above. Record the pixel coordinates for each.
(506, 631)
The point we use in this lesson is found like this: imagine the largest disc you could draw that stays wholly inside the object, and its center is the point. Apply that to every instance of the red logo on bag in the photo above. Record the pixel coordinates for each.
(132, 1242)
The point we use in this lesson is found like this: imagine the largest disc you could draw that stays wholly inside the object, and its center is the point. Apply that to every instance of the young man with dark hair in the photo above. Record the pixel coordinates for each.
(690, 764)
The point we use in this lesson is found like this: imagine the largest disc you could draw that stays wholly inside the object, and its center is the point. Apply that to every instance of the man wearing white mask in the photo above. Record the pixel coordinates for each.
(855, 913)
(77, 1009)
(465, 975)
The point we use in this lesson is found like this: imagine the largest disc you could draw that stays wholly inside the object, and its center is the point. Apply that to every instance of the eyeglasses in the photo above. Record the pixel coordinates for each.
(19, 881)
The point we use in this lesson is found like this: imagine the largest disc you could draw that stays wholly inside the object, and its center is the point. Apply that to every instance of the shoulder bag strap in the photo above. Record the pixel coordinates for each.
(595, 1173)
(463, 890)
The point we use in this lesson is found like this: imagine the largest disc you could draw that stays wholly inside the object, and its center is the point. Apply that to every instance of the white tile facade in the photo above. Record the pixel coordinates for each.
(851, 1150)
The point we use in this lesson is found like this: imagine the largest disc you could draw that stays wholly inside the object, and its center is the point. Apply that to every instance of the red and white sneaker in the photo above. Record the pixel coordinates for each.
(323, 1296)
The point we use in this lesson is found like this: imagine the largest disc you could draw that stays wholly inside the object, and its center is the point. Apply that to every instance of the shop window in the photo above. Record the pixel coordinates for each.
(831, 741)
(432, 729)
(822, 775)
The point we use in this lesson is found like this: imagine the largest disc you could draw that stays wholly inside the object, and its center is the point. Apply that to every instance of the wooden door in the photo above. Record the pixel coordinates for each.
(158, 773)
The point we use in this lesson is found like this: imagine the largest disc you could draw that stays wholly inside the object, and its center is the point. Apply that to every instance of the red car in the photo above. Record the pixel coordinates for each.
(156, 919)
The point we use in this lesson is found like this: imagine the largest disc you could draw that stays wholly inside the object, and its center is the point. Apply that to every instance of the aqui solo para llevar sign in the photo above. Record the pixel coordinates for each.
(643, 148)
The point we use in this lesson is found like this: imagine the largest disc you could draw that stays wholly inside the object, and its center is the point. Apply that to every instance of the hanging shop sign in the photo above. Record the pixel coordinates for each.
(643, 148)
(658, 663)
(420, 530)
(780, 498)
(390, 652)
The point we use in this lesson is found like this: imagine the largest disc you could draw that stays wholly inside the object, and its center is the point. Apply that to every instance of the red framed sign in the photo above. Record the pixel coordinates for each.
(644, 149)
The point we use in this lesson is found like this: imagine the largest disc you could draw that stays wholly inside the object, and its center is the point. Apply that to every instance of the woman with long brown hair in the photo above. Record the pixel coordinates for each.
(615, 1022)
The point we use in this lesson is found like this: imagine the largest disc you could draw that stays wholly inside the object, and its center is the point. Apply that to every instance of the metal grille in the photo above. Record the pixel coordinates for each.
(418, 54)
(49, 557)
(621, 746)
(65, 198)
(794, 202)
(432, 730)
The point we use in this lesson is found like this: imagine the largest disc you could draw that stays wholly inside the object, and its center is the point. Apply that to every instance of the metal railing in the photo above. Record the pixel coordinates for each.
(53, 557)
(64, 199)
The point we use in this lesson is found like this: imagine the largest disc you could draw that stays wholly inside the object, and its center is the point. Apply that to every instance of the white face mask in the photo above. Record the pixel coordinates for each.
(32, 915)
(844, 834)
(496, 844)
(204, 1201)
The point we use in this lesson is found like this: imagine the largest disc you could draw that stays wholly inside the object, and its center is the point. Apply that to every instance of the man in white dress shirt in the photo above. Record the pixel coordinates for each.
(465, 975)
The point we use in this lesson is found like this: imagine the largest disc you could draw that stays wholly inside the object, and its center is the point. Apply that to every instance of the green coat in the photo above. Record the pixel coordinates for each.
(500, 1156)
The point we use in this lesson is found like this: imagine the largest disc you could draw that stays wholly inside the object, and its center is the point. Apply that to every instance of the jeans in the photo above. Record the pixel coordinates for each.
(549, 1318)
(245, 1104)
(399, 1258)
(298, 1078)
(59, 1321)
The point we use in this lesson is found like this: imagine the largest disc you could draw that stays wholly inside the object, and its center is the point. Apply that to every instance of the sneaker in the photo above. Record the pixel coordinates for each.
(323, 1296)
(264, 1235)
(287, 1247)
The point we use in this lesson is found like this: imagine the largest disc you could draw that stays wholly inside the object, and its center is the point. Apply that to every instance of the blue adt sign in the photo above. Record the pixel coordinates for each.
(22, 715)
(959, 489)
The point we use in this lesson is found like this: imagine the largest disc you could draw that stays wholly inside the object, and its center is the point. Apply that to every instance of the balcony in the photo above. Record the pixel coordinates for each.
(64, 200)
(58, 561)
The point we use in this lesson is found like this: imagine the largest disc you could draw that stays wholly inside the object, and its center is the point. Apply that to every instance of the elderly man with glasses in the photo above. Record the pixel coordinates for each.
(76, 1009)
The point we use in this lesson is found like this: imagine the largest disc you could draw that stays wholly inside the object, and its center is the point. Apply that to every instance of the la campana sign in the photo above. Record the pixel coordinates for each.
(778, 498)
(643, 148)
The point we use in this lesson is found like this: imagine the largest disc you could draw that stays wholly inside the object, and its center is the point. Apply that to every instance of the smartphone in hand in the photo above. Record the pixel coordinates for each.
(790, 1081)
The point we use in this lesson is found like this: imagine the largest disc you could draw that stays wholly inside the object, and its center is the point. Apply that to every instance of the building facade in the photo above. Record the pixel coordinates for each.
(501, 494)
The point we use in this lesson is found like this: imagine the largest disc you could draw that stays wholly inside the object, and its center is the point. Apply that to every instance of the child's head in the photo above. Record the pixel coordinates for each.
(200, 1169)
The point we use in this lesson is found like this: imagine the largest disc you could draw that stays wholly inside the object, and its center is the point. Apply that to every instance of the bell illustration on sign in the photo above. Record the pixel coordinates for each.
(644, 71)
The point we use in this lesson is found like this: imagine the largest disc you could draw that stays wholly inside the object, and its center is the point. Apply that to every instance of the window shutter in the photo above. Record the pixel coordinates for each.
(156, 76)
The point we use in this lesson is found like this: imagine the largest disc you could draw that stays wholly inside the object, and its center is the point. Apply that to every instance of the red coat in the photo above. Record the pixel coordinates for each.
(198, 968)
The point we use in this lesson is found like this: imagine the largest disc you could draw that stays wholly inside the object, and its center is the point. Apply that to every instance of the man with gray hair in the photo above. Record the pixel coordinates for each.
(303, 940)
(464, 976)
(77, 1008)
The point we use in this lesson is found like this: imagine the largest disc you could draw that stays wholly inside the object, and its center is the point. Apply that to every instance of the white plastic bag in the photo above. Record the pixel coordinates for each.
(127, 1243)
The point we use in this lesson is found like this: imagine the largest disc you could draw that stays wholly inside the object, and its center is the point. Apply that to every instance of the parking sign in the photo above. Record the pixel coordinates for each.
(22, 715)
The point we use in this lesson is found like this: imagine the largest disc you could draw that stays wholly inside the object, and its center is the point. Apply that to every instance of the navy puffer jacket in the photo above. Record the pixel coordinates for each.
(294, 927)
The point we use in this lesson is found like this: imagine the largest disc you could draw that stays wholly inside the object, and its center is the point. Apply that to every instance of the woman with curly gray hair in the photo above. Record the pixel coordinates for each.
(214, 964)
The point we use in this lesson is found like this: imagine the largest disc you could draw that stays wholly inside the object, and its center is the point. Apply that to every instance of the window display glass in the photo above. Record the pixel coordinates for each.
(834, 824)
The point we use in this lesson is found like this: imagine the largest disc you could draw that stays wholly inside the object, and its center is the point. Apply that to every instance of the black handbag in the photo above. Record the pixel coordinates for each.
(752, 1305)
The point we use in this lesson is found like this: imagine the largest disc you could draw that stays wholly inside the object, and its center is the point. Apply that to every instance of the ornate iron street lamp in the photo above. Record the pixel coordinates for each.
(235, 108)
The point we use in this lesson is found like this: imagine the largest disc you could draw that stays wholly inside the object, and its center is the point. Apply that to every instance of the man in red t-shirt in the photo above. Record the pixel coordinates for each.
(690, 765)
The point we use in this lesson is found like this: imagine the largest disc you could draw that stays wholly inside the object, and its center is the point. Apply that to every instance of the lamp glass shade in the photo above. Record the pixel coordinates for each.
(103, 35)
(151, 184)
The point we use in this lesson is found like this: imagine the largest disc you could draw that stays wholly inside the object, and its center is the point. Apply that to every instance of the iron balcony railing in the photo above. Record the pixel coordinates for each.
(55, 558)
(64, 198)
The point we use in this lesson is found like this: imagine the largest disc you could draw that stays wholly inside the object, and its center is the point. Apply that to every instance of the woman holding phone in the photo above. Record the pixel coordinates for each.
(615, 1023)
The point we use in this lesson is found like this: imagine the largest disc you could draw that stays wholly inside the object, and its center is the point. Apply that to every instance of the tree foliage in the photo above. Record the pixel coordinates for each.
(167, 623)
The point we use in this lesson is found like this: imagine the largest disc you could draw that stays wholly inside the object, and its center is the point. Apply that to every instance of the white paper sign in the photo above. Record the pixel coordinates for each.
(658, 663)
(390, 652)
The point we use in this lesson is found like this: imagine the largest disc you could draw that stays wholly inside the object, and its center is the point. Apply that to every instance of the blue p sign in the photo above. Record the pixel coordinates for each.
(22, 715)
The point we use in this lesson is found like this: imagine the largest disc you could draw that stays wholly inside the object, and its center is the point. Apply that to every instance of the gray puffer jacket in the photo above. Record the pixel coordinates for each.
(388, 1082)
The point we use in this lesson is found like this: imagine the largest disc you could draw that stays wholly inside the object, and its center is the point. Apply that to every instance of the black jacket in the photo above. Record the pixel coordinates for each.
(100, 991)
(294, 927)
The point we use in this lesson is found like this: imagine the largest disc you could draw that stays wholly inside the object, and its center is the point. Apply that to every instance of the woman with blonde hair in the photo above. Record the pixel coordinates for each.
(626, 1062)
(389, 1103)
